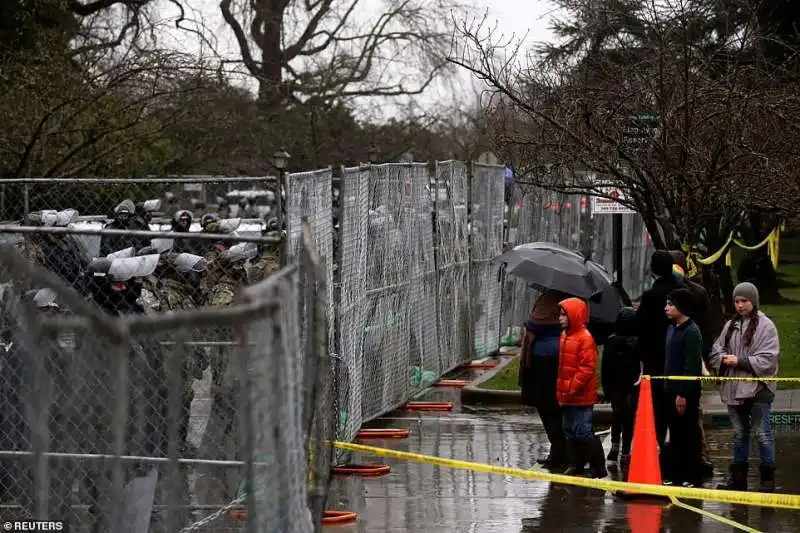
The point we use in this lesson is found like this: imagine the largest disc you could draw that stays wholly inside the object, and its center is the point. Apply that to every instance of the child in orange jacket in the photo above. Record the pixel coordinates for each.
(576, 389)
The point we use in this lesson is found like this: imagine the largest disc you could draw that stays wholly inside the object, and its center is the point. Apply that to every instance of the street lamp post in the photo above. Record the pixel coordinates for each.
(280, 160)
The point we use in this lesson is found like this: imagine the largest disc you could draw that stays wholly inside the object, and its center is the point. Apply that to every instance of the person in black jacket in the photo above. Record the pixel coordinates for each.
(652, 324)
(620, 373)
(707, 319)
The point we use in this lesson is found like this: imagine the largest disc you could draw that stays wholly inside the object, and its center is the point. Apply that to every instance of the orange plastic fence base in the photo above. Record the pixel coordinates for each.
(338, 517)
(456, 383)
(329, 517)
(480, 364)
(369, 470)
(384, 433)
(429, 406)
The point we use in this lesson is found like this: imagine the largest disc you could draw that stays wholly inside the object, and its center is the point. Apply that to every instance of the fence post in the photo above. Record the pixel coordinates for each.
(471, 315)
(337, 357)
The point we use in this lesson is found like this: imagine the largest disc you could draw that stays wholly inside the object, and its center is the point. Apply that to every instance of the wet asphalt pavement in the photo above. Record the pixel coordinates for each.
(417, 498)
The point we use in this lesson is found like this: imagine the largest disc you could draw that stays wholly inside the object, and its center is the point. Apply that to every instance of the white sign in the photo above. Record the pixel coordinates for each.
(610, 205)
(193, 187)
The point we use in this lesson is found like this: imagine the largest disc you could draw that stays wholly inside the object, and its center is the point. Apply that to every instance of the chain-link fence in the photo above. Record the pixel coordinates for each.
(451, 196)
(487, 213)
(398, 285)
(121, 417)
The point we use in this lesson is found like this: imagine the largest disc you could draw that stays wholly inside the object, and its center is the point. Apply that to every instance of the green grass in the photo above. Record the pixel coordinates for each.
(506, 379)
(786, 317)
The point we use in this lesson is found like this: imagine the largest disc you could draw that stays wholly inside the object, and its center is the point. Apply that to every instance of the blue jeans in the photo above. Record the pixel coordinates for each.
(752, 416)
(577, 422)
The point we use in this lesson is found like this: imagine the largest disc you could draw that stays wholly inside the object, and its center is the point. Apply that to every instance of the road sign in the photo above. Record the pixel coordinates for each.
(610, 205)
(639, 132)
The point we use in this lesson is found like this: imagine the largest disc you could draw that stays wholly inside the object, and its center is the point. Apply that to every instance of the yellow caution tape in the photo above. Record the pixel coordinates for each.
(761, 499)
(772, 241)
(719, 518)
(722, 378)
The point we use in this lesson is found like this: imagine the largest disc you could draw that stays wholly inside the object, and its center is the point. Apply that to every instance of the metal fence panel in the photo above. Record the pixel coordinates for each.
(354, 197)
(487, 208)
(423, 281)
(309, 196)
(452, 232)
(389, 335)
(107, 418)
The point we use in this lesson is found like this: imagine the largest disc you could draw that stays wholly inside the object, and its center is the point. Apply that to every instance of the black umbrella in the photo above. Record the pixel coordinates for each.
(547, 265)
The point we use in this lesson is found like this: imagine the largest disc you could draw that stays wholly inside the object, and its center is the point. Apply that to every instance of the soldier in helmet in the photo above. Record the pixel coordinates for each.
(171, 288)
(60, 254)
(182, 223)
(125, 218)
(269, 258)
(22, 400)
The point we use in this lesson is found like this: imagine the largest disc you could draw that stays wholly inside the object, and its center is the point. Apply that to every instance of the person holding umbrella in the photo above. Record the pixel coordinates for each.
(538, 373)
(559, 273)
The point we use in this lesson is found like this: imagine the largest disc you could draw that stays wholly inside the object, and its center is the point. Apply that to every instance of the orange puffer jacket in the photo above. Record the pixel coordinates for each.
(577, 363)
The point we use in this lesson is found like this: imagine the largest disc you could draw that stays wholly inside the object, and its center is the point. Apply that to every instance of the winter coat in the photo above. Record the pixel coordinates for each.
(652, 323)
(760, 359)
(577, 360)
(539, 356)
(683, 351)
(621, 364)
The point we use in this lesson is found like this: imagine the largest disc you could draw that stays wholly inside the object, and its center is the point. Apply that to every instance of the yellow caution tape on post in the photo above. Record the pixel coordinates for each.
(693, 257)
(761, 499)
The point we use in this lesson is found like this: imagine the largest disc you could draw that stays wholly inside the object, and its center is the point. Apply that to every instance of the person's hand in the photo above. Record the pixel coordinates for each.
(638, 381)
(680, 405)
(730, 360)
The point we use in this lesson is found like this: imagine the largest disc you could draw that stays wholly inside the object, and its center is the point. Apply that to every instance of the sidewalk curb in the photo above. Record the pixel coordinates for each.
(472, 395)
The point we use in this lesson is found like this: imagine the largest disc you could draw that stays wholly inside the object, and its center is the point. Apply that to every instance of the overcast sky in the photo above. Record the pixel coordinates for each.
(513, 17)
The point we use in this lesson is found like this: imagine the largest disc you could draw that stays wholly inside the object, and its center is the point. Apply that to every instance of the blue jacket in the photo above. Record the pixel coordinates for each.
(684, 357)
(547, 338)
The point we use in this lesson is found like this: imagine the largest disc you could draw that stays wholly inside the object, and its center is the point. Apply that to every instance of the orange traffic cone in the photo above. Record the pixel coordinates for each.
(645, 466)
(644, 517)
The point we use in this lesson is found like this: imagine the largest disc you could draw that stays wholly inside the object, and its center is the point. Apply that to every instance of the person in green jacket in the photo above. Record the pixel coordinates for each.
(683, 357)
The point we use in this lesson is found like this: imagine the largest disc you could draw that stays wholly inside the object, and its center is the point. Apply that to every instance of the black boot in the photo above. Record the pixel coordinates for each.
(737, 479)
(767, 478)
(596, 457)
(576, 458)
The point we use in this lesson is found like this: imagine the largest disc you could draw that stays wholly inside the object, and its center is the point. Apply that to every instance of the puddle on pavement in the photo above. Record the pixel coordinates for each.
(418, 497)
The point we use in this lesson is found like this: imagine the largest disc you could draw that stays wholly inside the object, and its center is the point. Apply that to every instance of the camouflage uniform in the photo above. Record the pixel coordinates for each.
(268, 263)
(30, 251)
(165, 291)
(218, 287)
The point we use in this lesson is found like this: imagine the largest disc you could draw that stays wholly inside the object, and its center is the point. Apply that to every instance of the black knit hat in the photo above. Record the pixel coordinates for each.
(661, 263)
(683, 300)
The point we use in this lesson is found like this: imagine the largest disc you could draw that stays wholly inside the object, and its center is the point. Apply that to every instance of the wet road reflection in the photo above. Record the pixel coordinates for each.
(424, 498)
